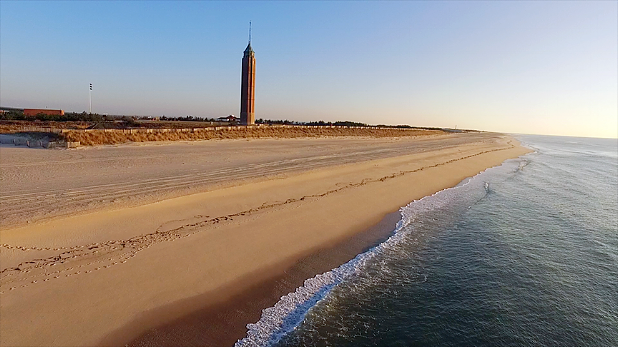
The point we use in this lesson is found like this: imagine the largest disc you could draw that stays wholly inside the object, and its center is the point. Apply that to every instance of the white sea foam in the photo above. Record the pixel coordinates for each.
(291, 309)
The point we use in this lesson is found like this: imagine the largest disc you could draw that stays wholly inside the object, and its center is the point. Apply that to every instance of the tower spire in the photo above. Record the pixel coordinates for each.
(249, 32)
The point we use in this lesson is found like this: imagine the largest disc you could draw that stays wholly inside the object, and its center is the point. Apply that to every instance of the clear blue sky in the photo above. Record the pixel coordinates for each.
(523, 67)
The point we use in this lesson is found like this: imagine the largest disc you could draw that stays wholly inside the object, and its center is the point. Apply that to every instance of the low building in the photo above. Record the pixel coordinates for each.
(9, 109)
(36, 111)
(230, 118)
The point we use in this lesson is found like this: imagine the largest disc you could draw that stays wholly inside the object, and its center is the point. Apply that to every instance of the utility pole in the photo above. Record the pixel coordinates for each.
(90, 94)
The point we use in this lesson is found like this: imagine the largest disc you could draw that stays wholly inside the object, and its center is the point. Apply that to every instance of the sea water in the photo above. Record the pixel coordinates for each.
(524, 254)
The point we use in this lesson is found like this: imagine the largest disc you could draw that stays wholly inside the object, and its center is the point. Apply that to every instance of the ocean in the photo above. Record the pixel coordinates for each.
(524, 254)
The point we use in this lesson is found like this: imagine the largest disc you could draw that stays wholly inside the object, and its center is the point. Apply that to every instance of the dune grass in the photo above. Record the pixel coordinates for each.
(101, 137)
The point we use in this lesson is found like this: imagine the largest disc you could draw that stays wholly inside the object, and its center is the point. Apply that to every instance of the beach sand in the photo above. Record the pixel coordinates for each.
(185, 243)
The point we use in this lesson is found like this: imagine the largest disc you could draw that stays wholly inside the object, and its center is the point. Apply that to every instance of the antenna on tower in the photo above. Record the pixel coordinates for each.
(249, 31)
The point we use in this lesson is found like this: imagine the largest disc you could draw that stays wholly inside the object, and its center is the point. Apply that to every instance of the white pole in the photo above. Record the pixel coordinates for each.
(90, 98)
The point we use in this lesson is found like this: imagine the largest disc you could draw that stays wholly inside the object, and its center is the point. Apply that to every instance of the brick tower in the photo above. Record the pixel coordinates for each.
(247, 87)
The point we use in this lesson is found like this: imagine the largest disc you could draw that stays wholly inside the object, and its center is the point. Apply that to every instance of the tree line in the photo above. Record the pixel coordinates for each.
(68, 116)
(94, 117)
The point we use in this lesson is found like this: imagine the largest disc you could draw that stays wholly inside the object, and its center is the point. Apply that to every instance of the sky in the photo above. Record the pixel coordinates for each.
(530, 67)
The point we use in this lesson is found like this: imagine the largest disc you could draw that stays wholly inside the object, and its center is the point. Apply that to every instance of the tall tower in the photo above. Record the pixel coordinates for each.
(247, 86)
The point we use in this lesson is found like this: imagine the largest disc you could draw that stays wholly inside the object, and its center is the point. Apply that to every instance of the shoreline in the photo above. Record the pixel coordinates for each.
(213, 324)
(123, 280)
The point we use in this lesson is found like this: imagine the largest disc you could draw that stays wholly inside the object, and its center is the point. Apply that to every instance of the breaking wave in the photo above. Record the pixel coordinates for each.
(292, 308)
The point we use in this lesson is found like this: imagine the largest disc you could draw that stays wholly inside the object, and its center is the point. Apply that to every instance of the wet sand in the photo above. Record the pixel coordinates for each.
(223, 323)
(193, 264)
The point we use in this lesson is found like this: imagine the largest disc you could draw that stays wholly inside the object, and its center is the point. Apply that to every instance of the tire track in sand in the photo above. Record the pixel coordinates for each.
(84, 259)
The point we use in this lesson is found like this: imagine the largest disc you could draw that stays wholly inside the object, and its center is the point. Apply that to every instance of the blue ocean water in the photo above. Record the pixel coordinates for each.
(524, 254)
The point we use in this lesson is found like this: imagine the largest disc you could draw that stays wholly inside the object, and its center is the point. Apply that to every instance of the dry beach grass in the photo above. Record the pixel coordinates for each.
(101, 137)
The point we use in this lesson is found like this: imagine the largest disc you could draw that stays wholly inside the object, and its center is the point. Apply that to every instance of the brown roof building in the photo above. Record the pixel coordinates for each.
(36, 111)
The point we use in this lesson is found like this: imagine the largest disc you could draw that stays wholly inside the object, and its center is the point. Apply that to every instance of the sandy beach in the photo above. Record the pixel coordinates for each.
(186, 243)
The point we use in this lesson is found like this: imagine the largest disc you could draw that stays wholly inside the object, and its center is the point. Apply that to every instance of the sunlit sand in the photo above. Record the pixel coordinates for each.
(101, 245)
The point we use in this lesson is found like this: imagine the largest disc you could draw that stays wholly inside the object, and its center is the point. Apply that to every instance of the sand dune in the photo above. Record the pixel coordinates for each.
(118, 233)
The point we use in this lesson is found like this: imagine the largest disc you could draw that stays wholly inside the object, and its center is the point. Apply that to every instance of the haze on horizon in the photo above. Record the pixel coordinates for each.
(518, 67)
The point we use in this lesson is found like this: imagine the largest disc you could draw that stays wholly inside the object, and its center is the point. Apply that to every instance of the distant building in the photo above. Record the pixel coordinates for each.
(230, 118)
(8, 109)
(247, 87)
(36, 111)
